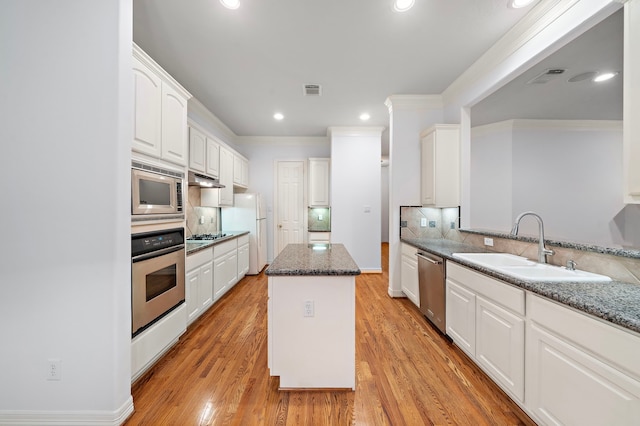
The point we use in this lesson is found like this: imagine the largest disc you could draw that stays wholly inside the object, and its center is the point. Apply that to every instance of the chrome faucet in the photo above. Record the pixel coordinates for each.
(543, 252)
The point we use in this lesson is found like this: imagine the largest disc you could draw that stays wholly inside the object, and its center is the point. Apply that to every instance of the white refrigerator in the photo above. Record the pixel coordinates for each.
(248, 214)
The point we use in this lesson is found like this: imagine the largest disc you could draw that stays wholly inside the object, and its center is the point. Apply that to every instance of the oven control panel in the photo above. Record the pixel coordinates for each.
(152, 241)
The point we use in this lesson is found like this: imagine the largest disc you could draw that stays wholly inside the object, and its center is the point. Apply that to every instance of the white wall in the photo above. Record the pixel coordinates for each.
(65, 270)
(262, 152)
(567, 171)
(355, 193)
(491, 177)
(409, 115)
(571, 174)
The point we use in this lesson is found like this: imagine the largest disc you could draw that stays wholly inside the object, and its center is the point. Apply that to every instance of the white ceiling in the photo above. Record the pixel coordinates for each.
(246, 64)
(598, 49)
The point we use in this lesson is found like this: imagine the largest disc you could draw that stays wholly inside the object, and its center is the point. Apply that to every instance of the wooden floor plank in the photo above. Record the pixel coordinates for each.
(406, 372)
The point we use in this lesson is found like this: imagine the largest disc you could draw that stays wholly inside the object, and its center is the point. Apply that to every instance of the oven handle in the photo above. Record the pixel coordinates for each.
(156, 253)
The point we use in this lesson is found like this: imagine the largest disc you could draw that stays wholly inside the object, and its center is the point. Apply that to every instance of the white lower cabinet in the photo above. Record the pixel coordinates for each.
(485, 318)
(580, 370)
(243, 256)
(225, 267)
(461, 317)
(199, 283)
(319, 237)
(409, 274)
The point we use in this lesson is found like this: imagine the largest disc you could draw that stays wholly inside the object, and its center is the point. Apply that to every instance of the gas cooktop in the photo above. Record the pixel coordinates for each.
(206, 237)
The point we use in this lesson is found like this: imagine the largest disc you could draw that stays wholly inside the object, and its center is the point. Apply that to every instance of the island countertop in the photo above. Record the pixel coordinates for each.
(313, 259)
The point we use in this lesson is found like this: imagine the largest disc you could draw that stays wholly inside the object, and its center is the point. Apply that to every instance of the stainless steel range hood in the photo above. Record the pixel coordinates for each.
(196, 179)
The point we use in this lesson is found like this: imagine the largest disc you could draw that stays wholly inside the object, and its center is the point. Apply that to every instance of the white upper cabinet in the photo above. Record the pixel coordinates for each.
(240, 171)
(213, 158)
(204, 153)
(319, 169)
(197, 150)
(631, 108)
(160, 111)
(440, 166)
(147, 110)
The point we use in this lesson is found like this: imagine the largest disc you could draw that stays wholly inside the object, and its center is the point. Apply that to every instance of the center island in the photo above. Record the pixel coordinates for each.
(312, 317)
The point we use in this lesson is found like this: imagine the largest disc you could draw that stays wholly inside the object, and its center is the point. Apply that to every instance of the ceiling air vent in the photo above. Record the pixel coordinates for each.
(312, 90)
(546, 76)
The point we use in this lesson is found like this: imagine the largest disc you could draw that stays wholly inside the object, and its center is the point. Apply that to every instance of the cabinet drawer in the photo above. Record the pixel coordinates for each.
(199, 258)
(223, 248)
(409, 250)
(243, 240)
(510, 297)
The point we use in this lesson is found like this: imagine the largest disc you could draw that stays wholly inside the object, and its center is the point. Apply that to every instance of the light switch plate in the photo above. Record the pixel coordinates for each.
(423, 222)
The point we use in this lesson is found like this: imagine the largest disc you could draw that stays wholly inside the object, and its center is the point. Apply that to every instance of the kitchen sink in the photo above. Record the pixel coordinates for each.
(525, 269)
(495, 260)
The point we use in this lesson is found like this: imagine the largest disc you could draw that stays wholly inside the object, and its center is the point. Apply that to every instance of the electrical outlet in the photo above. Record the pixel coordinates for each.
(488, 242)
(432, 224)
(308, 308)
(423, 222)
(54, 369)
(453, 225)
(201, 220)
(403, 224)
(319, 217)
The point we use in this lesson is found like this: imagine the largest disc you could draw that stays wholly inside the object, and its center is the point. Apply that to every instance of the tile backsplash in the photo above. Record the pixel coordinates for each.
(195, 212)
(428, 222)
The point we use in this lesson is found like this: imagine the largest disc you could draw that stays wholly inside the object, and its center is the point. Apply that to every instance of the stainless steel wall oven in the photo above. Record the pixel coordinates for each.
(157, 276)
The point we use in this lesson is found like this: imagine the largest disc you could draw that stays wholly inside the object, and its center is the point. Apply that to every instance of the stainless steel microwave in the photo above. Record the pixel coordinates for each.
(156, 193)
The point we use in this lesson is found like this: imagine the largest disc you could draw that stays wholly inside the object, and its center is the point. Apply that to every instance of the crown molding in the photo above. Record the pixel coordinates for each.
(282, 140)
(413, 102)
(524, 124)
(355, 131)
(148, 61)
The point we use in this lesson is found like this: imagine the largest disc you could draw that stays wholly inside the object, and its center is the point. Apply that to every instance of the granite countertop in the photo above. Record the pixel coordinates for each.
(616, 301)
(194, 247)
(303, 259)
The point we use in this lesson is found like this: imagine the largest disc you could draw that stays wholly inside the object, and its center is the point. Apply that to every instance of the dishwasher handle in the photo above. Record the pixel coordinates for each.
(426, 257)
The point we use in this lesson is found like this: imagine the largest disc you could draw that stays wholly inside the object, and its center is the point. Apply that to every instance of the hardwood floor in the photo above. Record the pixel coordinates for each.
(407, 373)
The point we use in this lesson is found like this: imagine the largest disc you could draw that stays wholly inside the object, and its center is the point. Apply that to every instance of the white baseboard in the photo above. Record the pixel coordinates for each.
(68, 418)
(371, 271)
(395, 293)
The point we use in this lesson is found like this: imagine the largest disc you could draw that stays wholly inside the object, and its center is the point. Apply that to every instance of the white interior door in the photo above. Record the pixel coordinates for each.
(290, 206)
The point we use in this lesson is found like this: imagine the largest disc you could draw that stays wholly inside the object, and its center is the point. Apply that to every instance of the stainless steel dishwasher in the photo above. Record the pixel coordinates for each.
(432, 289)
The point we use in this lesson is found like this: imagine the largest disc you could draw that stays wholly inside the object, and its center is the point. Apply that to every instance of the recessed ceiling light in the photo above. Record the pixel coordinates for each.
(230, 4)
(517, 4)
(364, 116)
(278, 116)
(604, 76)
(402, 5)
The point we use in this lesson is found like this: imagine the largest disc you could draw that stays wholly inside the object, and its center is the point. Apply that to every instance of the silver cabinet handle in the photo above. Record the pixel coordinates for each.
(422, 256)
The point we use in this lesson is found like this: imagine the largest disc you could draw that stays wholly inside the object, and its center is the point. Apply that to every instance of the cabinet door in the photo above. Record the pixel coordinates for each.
(219, 279)
(205, 287)
(174, 126)
(147, 110)
(226, 177)
(409, 278)
(191, 296)
(213, 158)
(243, 260)
(428, 168)
(500, 346)
(566, 385)
(461, 317)
(231, 269)
(245, 172)
(197, 150)
(319, 169)
(237, 170)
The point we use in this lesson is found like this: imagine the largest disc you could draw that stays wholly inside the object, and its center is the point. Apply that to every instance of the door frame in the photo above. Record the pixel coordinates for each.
(276, 207)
